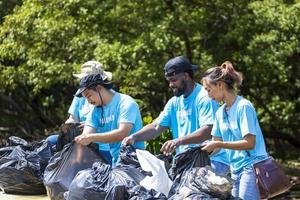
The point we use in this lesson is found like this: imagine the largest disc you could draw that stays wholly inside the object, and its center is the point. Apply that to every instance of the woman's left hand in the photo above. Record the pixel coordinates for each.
(211, 146)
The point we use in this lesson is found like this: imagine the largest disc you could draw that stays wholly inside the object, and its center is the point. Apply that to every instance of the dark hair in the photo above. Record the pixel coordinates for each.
(225, 73)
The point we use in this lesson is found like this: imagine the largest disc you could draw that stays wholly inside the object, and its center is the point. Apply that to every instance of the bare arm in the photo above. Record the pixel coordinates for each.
(247, 143)
(116, 135)
(149, 132)
(72, 119)
(200, 135)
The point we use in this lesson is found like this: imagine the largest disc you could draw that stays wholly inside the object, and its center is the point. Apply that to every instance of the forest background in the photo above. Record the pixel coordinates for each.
(42, 42)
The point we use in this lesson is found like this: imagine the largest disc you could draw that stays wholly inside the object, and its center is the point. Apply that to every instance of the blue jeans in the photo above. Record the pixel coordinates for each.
(245, 186)
(52, 139)
(219, 167)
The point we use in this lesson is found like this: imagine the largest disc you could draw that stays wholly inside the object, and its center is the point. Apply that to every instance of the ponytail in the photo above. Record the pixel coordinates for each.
(225, 73)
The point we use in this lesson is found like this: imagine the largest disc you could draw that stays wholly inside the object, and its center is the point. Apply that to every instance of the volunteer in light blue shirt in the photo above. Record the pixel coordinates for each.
(234, 125)
(236, 129)
(113, 117)
(79, 109)
(185, 115)
(189, 114)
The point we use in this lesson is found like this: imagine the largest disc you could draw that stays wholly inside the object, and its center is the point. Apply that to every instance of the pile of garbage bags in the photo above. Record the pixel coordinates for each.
(64, 166)
(79, 172)
(190, 177)
(119, 182)
(22, 166)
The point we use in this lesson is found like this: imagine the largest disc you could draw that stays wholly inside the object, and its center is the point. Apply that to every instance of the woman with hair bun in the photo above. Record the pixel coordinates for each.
(236, 129)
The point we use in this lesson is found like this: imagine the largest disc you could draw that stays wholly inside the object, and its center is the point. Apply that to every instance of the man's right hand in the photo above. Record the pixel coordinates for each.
(128, 140)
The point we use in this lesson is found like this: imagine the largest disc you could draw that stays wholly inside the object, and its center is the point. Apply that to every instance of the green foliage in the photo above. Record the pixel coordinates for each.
(43, 42)
(155, 145)
(6, 7)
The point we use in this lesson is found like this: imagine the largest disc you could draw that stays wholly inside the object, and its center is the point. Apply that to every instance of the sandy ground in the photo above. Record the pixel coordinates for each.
(22, 197)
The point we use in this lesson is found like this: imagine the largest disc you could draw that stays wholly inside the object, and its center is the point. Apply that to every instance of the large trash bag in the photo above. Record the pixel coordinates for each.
(12, 142)
(202, 181)
(98, 182)
(139, 192)
(64, 166)
(4, 151)
(127, 156)
(205, 180)
(183, 162)
(15, 141)
(21, 170)
(67, 133)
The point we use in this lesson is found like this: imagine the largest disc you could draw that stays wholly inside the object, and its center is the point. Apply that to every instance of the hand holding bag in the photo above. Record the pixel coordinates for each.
(270, 178)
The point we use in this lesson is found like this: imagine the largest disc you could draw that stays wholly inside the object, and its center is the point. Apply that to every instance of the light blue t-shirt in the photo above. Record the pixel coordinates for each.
(121, 109)
(186, 115)
(233, 125)
(80, 108)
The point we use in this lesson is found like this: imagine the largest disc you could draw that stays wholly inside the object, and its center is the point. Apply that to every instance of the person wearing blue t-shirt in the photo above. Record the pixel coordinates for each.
(236, 129)
(80, 107)
(189, 114)
(113, 117)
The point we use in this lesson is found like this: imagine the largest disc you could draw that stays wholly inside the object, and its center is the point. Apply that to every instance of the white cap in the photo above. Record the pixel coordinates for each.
(93, 67)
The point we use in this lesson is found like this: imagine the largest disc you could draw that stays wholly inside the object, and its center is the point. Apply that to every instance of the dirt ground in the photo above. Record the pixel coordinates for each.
(22, 197)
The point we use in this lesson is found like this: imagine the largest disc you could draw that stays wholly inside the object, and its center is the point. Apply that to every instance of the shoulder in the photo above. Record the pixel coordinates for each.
(173, 102)
(202, 94)
(126, 100)
(244, 104)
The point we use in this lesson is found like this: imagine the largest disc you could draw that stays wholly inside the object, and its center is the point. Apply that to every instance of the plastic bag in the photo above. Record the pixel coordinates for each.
(141, 193)
(12, 142)
(64, 166)
(138, 192)
(22, 169)
(183, 163)
(67, 133)
(205, 180)
(159, 180)
(106, 182)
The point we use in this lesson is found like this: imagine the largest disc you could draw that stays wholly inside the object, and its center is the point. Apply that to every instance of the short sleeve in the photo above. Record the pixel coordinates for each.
(164, 119)
(92, 119)
(207, 109)
(74, 108)
(216, 128)
(129, 111)
(248, 120)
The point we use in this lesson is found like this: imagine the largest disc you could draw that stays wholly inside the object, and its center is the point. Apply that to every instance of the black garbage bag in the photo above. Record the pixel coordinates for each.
(64, 166)
(4, 151)
(202, 181)
(15, 141)
(67, 133)
(138, 192)
(127, 156)
(90, 183)
(205, 180)
(183, 163)
(12, 142)
(106, 182)
(21, 170)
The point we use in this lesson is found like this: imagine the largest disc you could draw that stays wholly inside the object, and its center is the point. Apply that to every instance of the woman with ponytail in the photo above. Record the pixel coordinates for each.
(236, 129)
